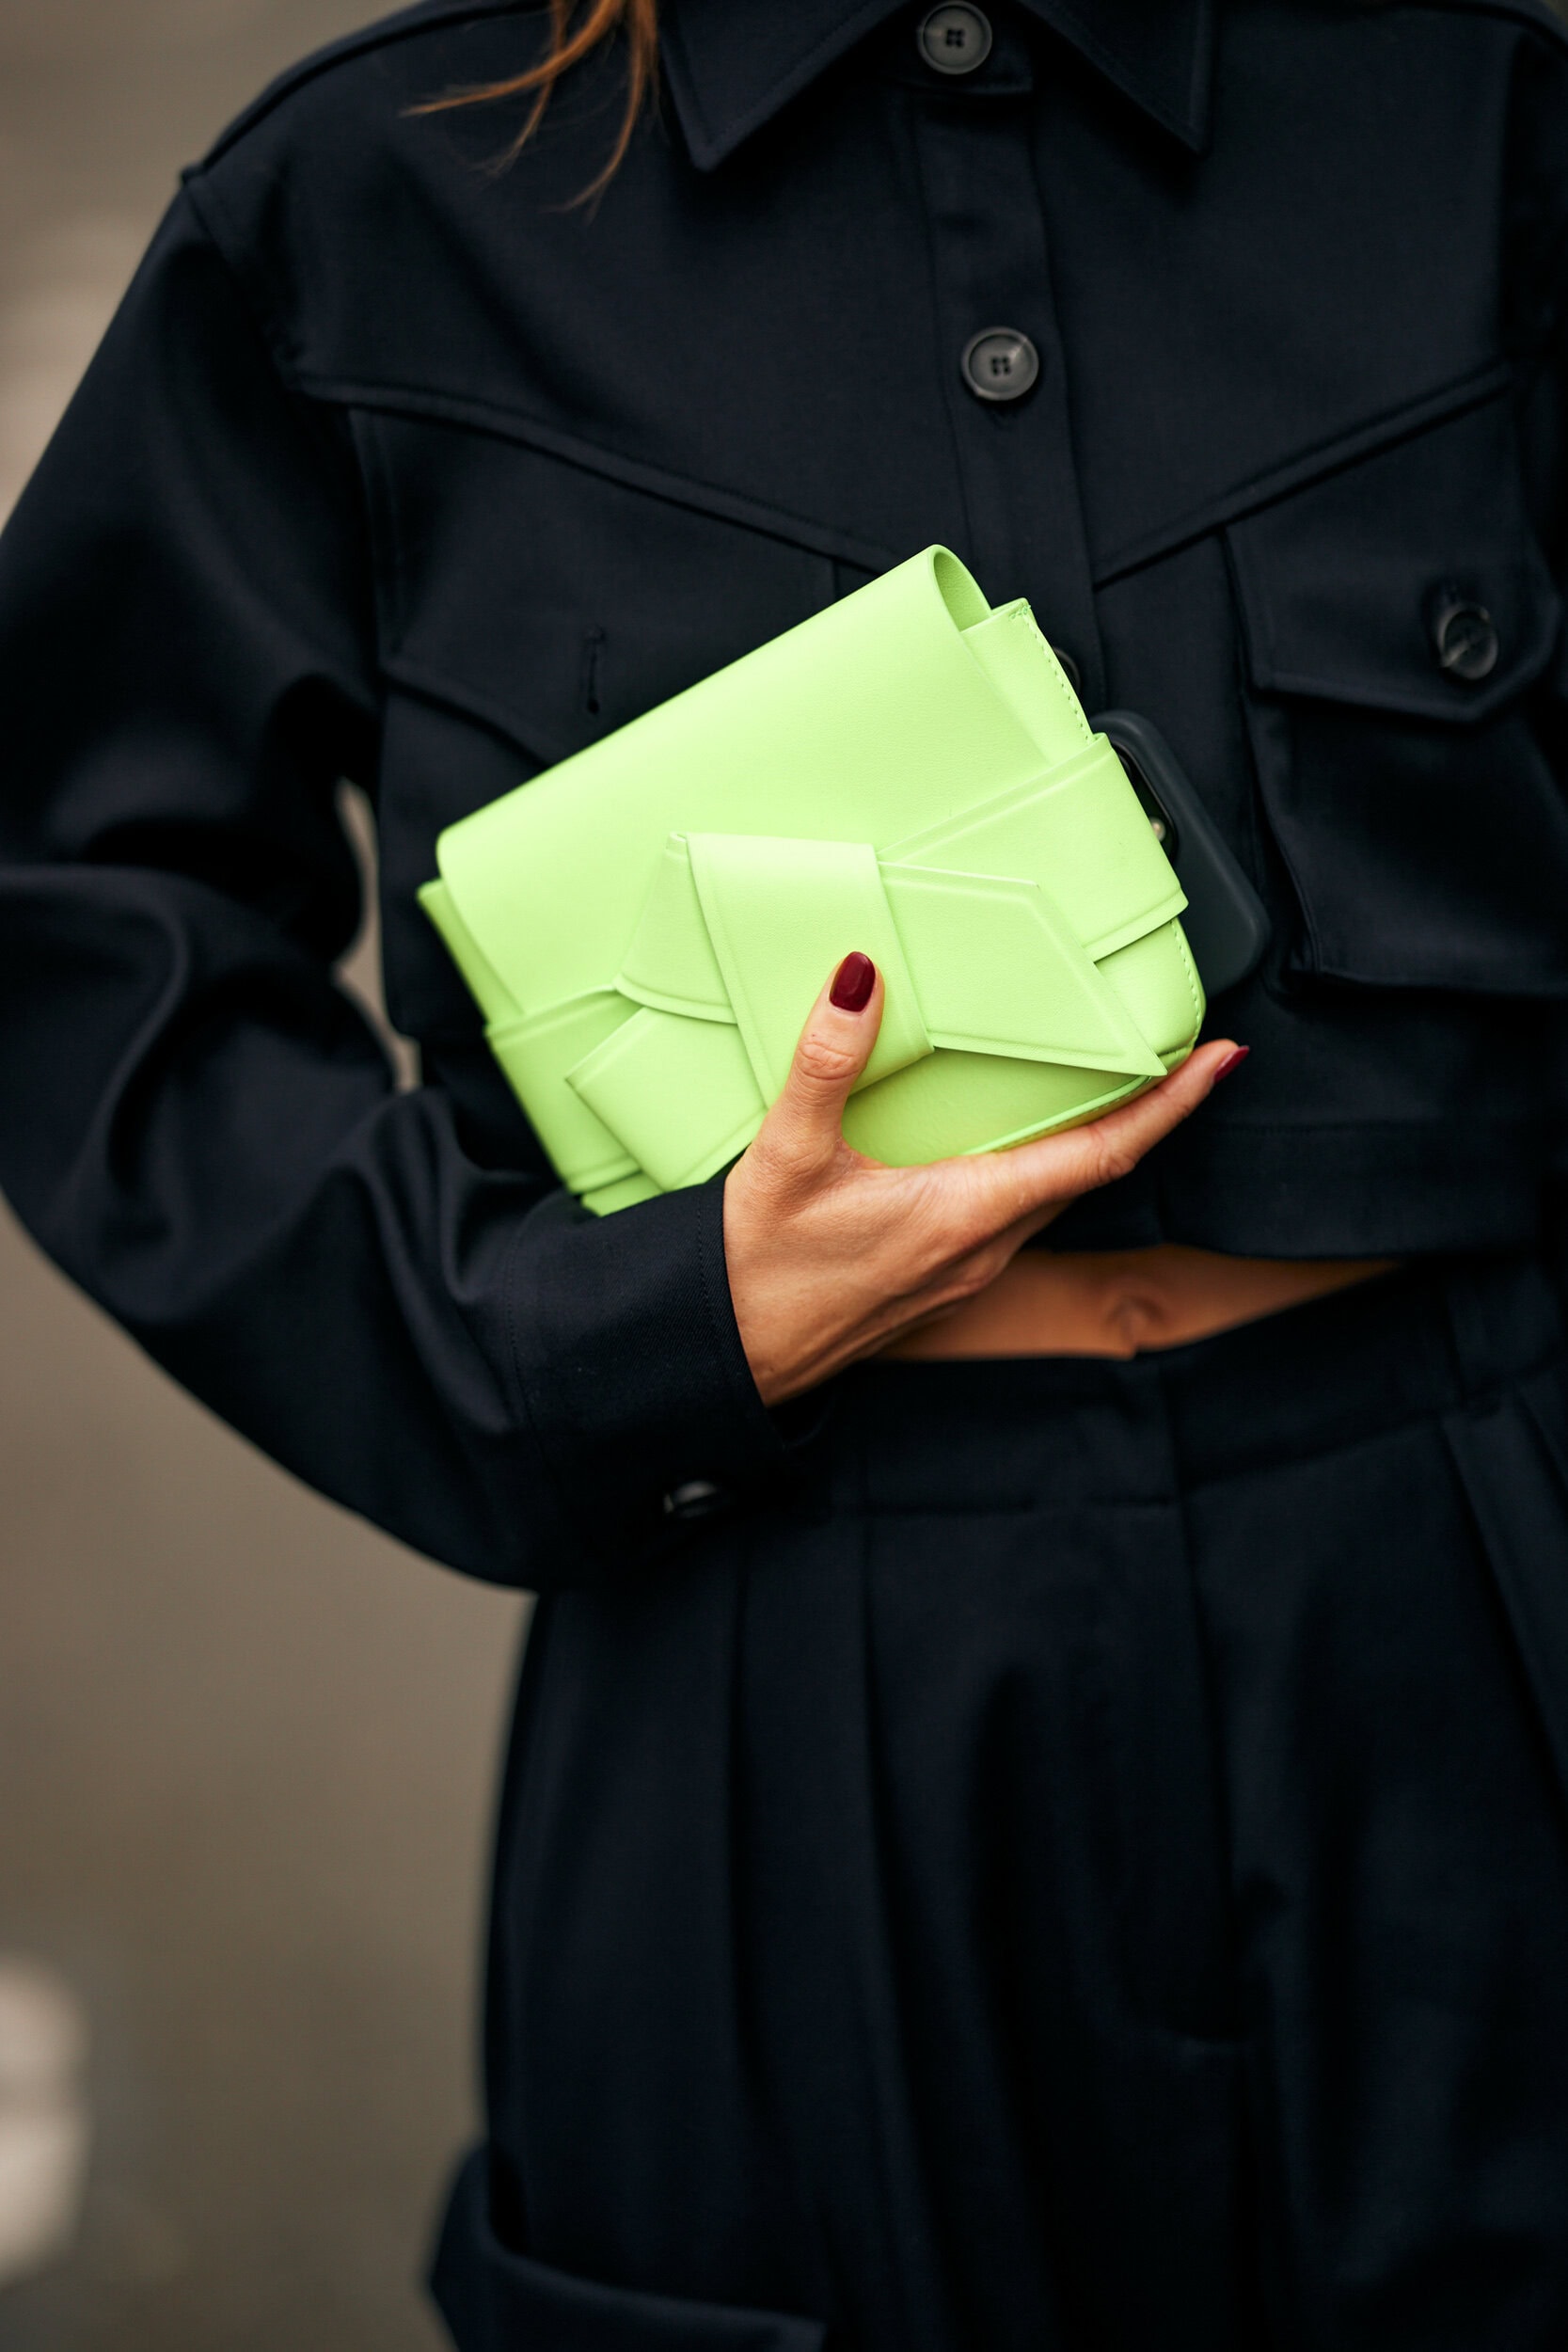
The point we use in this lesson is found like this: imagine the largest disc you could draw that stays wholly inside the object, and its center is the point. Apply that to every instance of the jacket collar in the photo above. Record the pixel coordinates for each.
(731, 64)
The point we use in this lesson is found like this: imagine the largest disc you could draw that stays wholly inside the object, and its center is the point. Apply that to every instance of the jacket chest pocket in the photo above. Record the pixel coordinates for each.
(554, 603)
(1400, 624)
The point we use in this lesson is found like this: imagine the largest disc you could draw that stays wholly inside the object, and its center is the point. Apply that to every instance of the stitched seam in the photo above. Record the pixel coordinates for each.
(721, 1314)
(345, 52)
(1053, 670)
(716, 1307)
(913, 124)
(1482, 1399)
(1429, 1415)
(709, 499)
(1190, 970)
(381, 509)
(716, 145)
(1385, 431)
(1126, 70)
(266, 316)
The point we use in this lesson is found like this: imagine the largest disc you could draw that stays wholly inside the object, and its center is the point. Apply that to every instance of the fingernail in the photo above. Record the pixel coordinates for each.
(854, 982)
(1233, 1060)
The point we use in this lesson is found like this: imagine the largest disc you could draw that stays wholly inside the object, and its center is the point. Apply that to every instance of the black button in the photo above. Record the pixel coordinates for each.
(999, 363)
(1070, 669)
(1466, 639)
(699, 1498)
(954, 40)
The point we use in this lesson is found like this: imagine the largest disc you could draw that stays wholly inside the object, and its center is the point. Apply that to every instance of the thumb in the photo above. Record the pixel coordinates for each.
(806, 1121)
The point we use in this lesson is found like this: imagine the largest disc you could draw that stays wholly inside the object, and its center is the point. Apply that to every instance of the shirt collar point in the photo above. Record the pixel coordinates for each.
(725, 89)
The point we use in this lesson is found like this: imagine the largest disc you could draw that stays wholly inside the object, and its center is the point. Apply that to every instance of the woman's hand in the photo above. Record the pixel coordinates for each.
(831, 1254)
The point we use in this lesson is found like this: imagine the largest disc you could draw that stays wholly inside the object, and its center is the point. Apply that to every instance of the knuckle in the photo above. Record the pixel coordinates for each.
(960, 1189)
(947, 1226)
(977, 1230)
(823, 1061)
(976, 1274)
(790, 1165)
(782, 1161)
(996, 1197)
(1182, 1106)
(769, 1158)
(1108, 1157)
(1016, 1191)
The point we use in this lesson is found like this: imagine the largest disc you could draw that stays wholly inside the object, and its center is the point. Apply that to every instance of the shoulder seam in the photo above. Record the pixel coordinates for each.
(265, 316)
(406, 25)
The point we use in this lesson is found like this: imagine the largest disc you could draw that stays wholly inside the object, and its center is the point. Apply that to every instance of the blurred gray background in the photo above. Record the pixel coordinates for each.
(247, 1746)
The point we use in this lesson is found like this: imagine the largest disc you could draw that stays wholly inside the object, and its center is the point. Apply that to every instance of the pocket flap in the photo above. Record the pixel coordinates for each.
(556, 603)
(494, 2300)
(1409, 581)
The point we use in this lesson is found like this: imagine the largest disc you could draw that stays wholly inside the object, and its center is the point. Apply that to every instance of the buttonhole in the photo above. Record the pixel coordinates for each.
(593, 644)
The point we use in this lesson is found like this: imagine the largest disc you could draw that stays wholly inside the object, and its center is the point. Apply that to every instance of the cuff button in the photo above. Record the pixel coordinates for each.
(698, 1499)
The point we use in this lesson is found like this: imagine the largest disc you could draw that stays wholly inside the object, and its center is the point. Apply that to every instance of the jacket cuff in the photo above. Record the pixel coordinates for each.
(632, 1374)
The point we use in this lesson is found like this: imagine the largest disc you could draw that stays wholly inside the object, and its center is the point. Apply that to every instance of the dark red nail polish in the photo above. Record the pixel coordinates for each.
(854, 982)
(1232, 1061)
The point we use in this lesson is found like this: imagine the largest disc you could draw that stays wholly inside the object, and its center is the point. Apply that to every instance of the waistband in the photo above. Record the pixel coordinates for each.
(1025, 1433)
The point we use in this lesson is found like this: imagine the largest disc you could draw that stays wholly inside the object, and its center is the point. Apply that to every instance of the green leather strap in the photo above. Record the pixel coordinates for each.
(909, 773)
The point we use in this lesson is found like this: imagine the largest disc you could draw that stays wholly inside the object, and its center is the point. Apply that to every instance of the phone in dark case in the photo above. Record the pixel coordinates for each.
(1227, 925)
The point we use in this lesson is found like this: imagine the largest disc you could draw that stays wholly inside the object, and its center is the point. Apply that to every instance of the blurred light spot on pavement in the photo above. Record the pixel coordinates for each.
(44, 2128)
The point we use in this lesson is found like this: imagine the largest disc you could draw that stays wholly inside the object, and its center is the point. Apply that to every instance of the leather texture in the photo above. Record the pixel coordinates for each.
(907, 773)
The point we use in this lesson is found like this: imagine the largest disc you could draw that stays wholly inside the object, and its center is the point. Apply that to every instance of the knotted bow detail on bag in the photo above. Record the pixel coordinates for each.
(1035, 971)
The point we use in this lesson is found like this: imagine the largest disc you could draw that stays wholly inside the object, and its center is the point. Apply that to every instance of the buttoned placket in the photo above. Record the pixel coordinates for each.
(992, 288)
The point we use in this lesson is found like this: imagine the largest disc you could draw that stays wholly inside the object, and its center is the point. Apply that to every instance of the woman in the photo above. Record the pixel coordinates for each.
(1035, 1809)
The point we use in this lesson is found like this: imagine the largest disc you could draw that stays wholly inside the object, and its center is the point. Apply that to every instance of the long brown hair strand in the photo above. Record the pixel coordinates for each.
(601, 19)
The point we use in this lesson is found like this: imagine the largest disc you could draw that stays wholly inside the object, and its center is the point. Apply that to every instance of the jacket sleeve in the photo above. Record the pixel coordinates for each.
(194, 1121)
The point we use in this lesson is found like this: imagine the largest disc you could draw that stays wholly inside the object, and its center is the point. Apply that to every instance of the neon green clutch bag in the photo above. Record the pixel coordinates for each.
(646, 926)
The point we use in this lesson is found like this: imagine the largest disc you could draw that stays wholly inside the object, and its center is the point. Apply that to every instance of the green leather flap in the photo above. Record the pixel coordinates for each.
(659, 1059)
(536, 1055)
(1021, 665)
(670, 965)
(782, 915)
(1077, 831)
(959, 929)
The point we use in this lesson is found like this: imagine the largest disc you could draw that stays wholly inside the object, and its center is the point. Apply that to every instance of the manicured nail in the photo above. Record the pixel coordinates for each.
(854, 982)
(1233, 1060)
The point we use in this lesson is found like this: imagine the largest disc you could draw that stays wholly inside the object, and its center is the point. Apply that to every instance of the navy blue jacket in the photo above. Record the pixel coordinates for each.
(398, 469)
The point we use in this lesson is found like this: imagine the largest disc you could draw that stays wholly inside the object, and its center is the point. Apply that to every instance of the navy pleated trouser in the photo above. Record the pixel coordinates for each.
(1090, 1870)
